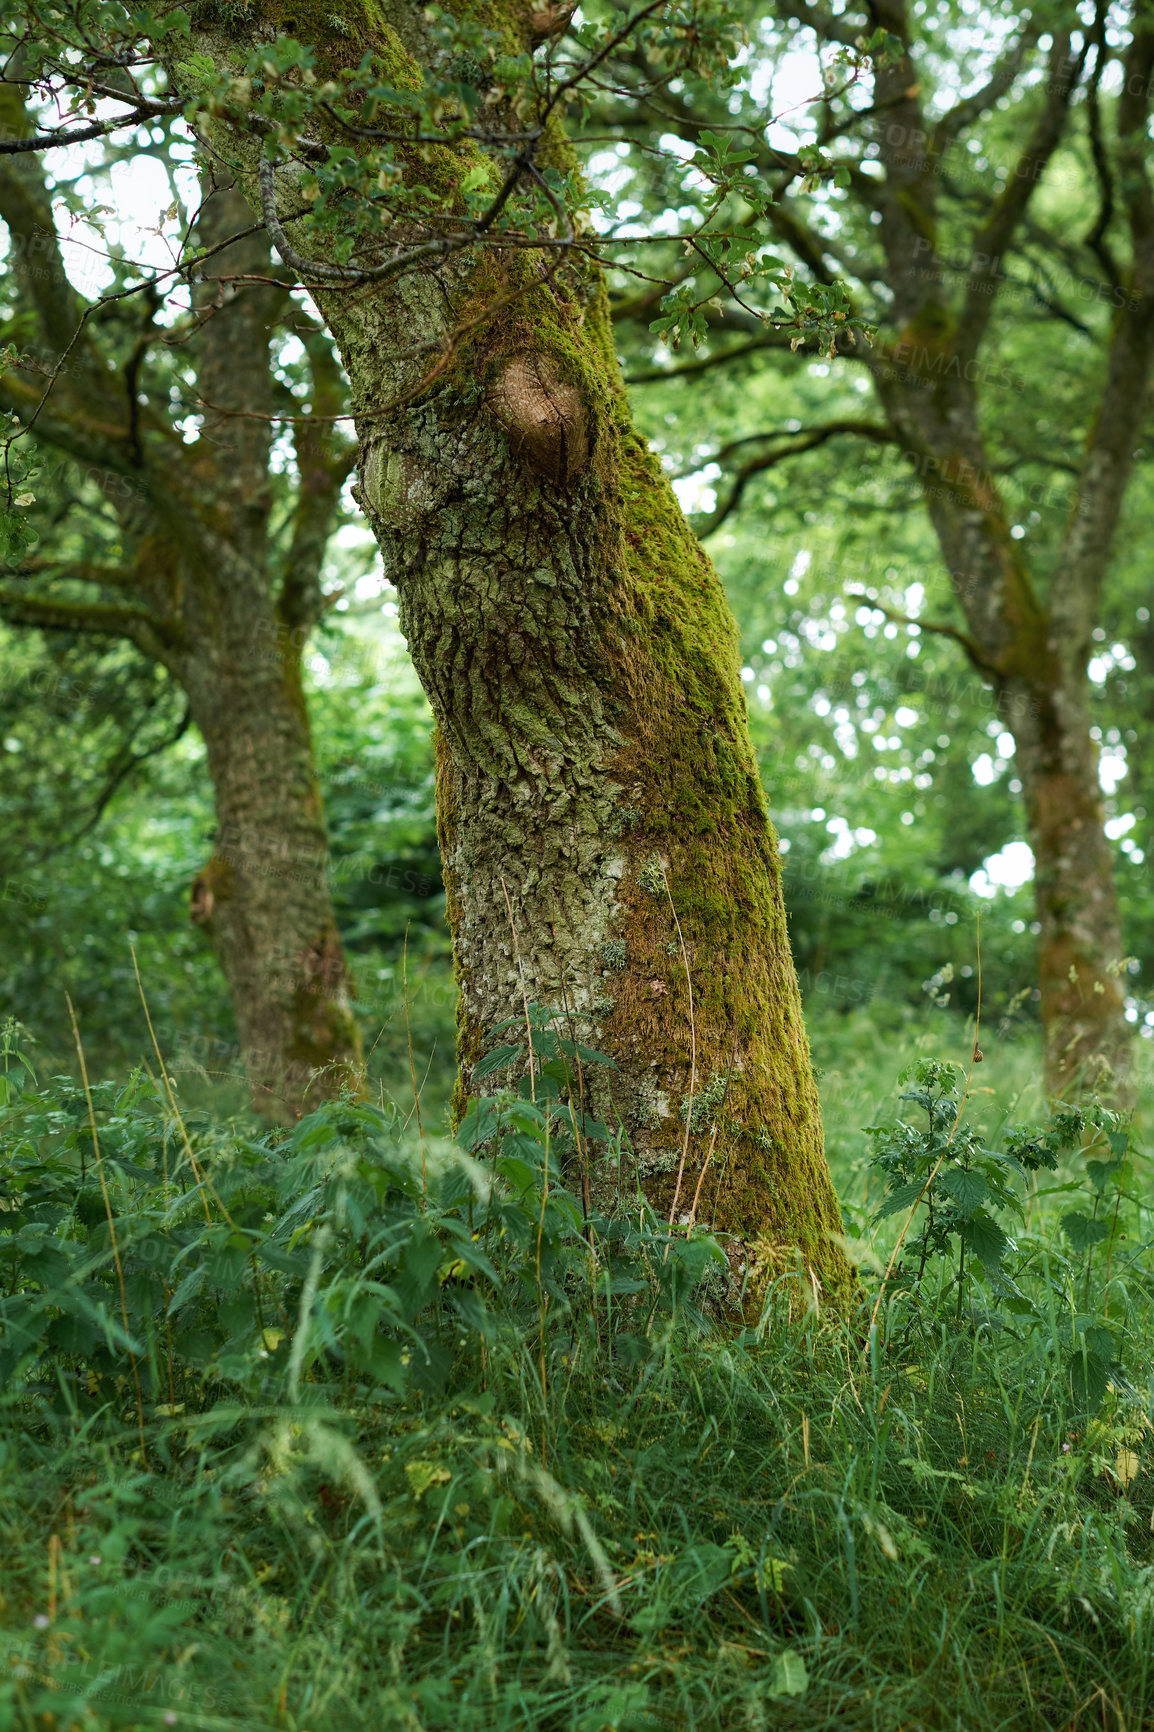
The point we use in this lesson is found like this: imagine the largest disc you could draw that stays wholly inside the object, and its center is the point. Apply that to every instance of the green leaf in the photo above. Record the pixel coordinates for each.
(587, 1054)
(1089, 1378)
(1100, 1173)
(789, 1676)
(1082, 1232)
(903, 1197)
(985, 1239)
(1100, 1340)
(968, 1189)
(496, 1060)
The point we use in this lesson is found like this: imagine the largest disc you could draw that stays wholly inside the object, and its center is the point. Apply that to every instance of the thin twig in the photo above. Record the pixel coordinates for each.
(413, 1071)
(692, 1055)
(111, 1223)
(701, 1178)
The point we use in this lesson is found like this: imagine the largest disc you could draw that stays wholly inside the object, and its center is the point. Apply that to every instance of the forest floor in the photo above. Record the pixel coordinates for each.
(407, 1454)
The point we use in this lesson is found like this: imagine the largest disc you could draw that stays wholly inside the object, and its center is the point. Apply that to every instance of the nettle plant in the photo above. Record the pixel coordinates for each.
(966, 1201)
(160, 1265)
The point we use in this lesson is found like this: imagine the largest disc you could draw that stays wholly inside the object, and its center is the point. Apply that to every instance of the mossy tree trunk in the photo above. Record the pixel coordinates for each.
(201, 590)
(263, 899)
(601, 815)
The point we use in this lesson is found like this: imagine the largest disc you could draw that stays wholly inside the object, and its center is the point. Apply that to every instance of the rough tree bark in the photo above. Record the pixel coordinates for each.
(201, 591)
(600, 809)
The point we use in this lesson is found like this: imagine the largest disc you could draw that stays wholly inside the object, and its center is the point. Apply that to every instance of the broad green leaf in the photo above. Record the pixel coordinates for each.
(985, 1239)
(968, 1189)
(1083, 1233)
(904, 1197)
(587, 1054)
(496, 1060)
(789, 1676)
(1100, 1173)
(1089, 1378)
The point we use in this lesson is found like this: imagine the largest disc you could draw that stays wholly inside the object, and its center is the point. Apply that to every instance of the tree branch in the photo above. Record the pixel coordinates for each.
(1109, 457)
(140, 627)
(825, 24)
(971, 108)
(658, 375)
(54, 140)
(971, 646)
(1096, 239)
(992, 240)
(128, 762)
(805, 440)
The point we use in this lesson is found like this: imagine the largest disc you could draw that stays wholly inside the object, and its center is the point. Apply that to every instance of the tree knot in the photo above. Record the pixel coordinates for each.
(544, 418)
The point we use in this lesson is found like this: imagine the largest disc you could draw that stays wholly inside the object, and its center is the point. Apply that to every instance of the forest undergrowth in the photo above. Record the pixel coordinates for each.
(358, 1426)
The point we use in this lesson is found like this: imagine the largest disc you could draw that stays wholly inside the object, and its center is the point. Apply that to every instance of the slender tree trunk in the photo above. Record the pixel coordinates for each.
(1032, 648)
(263, 899)
(606, 843)
(1036, 661)
(1088, 1043)
(208, 600)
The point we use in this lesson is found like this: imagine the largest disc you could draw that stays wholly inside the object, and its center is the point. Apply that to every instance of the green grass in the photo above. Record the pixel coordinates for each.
(627, 1518)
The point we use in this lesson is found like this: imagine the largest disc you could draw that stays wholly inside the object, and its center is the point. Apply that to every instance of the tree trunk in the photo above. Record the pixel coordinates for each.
(1033, 650)
(1088, 1043)
(599, 800)
(601, 815)
(1036, 661)
(210, 603)
(263, 899)
(1029, 616)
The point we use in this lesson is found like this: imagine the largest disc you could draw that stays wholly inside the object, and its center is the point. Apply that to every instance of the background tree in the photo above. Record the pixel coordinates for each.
(922, 201)
(190, 572)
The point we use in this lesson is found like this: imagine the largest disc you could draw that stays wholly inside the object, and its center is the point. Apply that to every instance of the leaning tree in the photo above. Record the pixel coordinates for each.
(606, 845)
(188, 569)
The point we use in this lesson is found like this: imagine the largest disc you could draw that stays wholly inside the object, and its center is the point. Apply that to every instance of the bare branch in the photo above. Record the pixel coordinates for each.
(142, 628)
(1096, 239)
(121, 770)
(658, 375)
(971, 646)
(1109, 457)
(55, 140)
(971, 108)
(827, 27)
